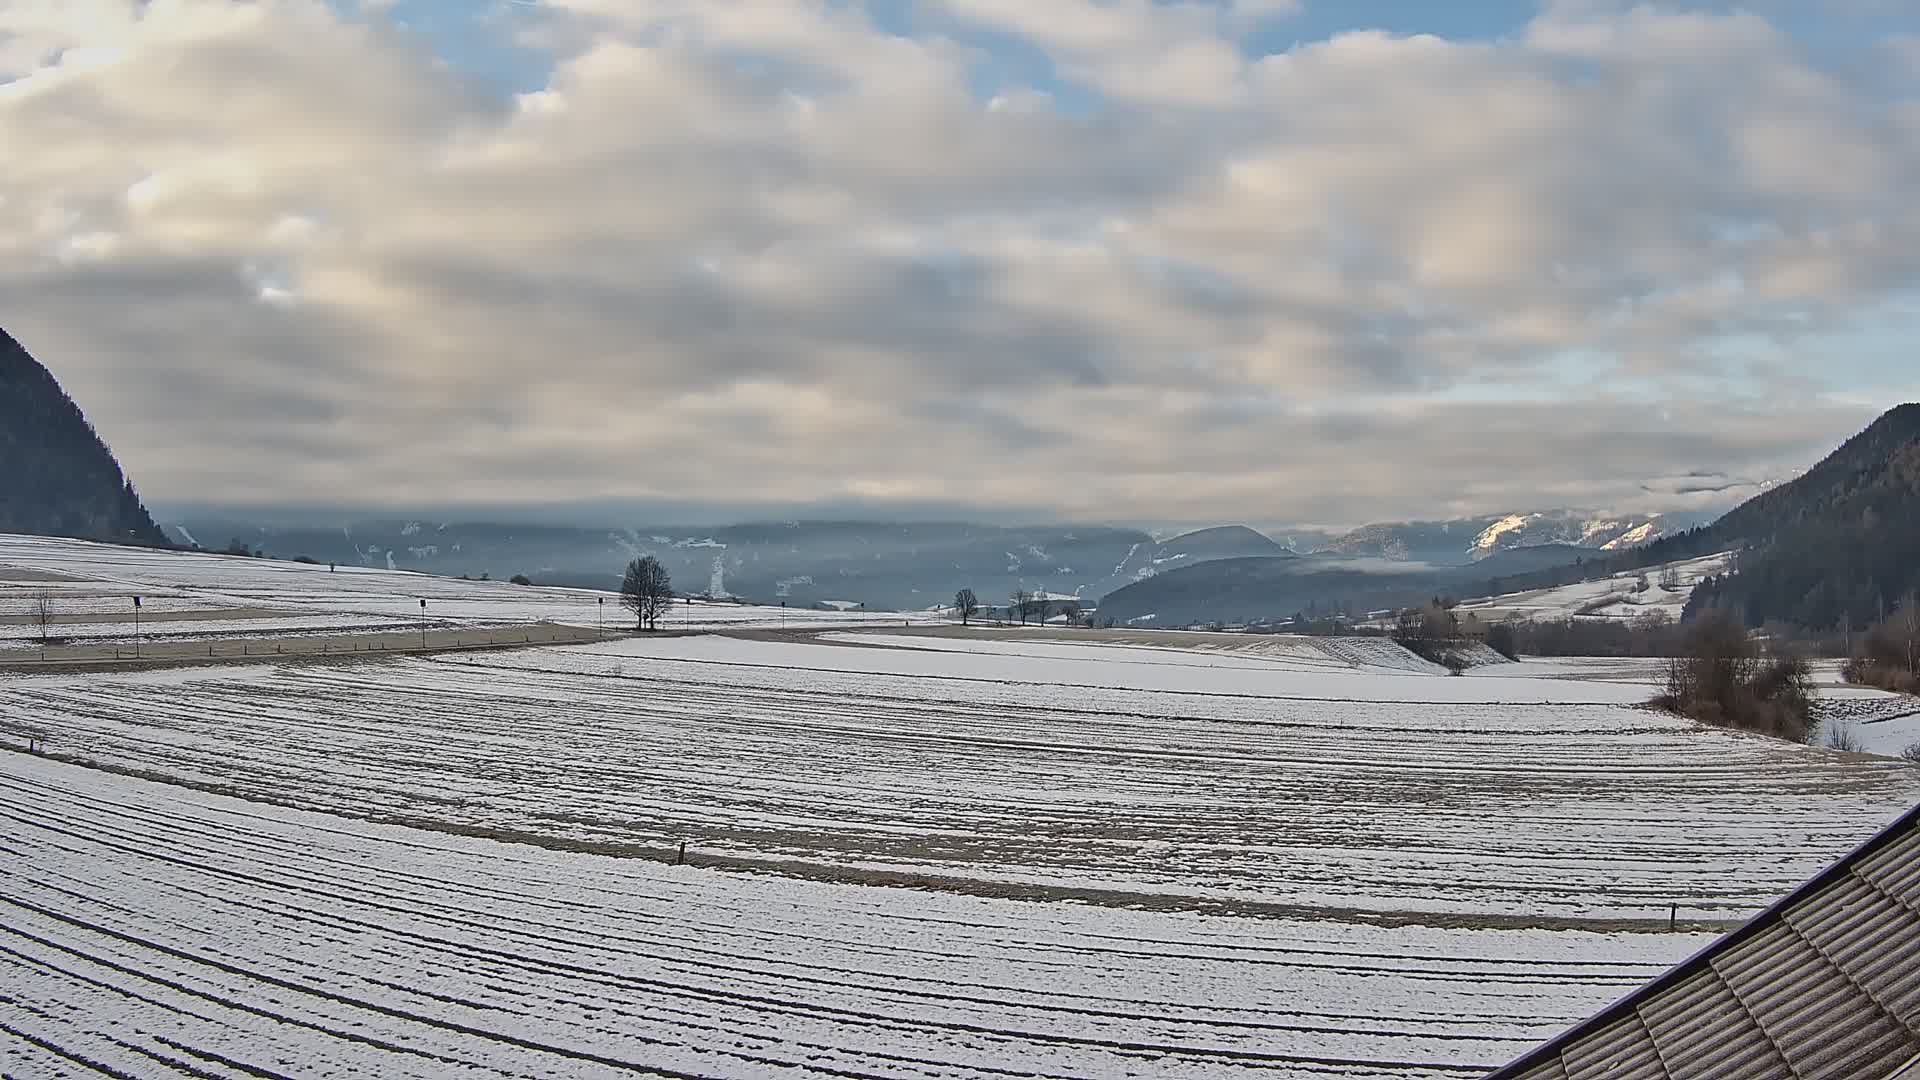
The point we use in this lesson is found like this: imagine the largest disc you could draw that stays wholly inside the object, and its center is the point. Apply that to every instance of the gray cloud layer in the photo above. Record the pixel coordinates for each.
(762, 251)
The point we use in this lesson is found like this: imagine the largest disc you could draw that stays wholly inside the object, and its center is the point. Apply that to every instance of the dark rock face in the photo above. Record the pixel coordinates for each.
(56, 477)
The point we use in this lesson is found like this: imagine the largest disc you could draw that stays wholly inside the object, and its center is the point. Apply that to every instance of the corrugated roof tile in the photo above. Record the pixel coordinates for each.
(1821, 1021)
(1875, 939)
(1704, 1033)
(1896, 868)
(1621, 1051)
(1550, 1069)
(1825, 985)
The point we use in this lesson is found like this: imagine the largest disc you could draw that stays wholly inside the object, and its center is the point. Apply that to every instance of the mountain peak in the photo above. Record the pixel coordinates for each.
(1237, 537)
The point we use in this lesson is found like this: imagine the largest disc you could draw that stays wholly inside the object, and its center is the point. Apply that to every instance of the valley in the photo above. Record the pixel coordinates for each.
(907, 850)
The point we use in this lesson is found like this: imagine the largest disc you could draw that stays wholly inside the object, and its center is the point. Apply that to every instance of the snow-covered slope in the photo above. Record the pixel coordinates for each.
(1620, 596)
(1472, 539)
(1607, 532)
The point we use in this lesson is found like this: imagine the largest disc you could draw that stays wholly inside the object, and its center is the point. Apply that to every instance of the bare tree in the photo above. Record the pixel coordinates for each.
(966, 605)
(1022, 601)
(647, 591)
(42, 612)
(1907, 626)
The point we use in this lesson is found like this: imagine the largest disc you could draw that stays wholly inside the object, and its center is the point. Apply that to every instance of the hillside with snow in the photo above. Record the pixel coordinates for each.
(1622, 596)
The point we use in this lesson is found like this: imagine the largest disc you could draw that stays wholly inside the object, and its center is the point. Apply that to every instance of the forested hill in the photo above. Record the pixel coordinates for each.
(1840, 543)
(56, 477)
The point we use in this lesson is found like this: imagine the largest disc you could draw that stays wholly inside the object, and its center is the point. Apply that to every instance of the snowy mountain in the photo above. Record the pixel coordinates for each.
(1606, 532)
(1463, 540)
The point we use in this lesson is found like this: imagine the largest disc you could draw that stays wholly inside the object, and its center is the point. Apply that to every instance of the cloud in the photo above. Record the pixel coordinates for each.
(772, 251)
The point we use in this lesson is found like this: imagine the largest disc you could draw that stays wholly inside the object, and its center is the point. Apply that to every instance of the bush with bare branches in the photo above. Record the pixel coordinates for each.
(1721, 679)
(1888, 655)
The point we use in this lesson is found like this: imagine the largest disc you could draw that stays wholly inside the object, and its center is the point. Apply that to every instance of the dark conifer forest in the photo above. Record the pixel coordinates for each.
(57, 478)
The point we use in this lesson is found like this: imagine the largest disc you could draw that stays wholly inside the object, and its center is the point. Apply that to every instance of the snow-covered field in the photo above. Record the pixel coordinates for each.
(917, 853)
(1185, 784)
(158, 931)
(104, 578)
(1616, 597)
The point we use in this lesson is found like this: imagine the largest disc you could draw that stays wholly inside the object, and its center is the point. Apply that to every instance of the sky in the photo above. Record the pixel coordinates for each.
(1276, 261)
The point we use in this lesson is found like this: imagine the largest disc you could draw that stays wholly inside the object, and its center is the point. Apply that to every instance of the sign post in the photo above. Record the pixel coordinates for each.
(136, 628)
(423, 622)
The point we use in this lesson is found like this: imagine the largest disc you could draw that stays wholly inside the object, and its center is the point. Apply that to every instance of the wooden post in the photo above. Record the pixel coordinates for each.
(682, 860)
(1673, 915)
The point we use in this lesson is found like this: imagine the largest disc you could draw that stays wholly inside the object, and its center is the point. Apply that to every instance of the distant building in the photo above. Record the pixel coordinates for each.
(1826, 983)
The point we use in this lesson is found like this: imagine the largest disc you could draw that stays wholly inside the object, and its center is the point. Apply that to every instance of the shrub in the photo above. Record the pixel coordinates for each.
(520, 579)
(1719, 679)
(1911, 753)
(1865, 671)
(1842, 736)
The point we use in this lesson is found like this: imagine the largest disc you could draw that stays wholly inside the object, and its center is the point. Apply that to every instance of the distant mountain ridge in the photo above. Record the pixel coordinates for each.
(914, 565)
(57, 478)
(1460, 540)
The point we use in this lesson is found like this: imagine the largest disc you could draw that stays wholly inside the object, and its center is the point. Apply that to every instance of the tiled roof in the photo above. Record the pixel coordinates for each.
(1826, 983)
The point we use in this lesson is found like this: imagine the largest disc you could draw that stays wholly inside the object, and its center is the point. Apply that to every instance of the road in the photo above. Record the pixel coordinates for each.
(392, 642)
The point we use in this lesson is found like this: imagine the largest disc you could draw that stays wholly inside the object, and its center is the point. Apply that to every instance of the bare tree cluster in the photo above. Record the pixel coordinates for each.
(1721, 679)
(1888, 655)
(1433, 633)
